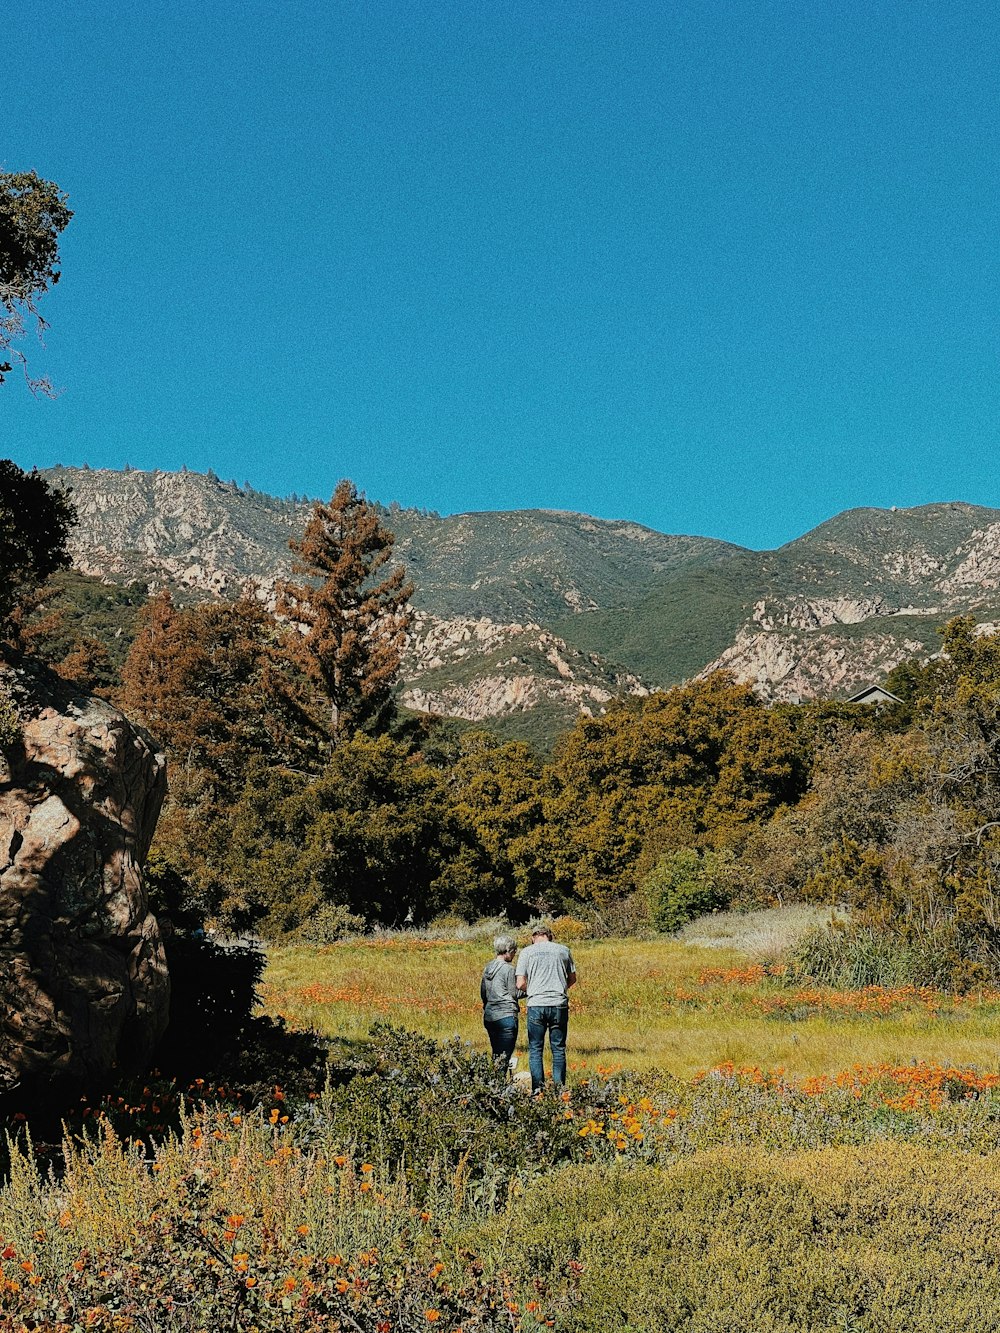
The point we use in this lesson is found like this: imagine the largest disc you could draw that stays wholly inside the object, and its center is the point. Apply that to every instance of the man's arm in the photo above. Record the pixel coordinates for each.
(522, 983)
(571, 980)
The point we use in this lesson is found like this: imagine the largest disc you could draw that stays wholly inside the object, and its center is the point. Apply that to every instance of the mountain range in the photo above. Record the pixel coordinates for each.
(527, 617)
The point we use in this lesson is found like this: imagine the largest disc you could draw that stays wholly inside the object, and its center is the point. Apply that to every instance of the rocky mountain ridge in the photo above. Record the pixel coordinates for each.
(544, 612)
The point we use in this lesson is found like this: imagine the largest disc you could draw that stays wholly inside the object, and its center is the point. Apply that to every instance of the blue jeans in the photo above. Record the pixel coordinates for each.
(502, 1033)
(553, 1019)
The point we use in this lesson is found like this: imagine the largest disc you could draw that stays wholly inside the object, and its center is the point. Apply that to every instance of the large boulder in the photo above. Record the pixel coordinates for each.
(84, 987)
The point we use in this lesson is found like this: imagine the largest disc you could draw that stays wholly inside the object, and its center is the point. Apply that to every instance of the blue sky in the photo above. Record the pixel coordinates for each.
(724, 268)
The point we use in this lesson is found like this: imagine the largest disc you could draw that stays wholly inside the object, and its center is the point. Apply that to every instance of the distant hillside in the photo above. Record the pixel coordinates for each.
(524, 565)
(824, 614)
(537, 564)
(620, 606)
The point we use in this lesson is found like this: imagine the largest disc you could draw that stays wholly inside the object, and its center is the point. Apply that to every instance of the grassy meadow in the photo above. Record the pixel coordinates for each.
(737, 1149)
(678, 1005)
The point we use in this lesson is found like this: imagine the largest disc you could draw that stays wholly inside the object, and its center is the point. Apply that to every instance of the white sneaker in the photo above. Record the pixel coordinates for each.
(513, 1063)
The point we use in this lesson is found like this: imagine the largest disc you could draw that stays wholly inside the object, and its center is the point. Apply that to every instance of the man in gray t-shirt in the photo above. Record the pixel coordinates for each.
(546, 971)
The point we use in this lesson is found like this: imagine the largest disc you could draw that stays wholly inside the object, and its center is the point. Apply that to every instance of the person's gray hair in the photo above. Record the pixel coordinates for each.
(541, 930)
(504, 944)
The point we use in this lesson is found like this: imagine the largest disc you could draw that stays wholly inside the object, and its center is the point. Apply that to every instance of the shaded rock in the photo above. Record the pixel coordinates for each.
(83, 978)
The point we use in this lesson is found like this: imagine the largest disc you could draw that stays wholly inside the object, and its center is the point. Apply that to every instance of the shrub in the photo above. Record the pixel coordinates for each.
(241, 1222)
(10, 717)
(567, 929)
(625, 916)
(329, 923)
(683, 885)
(413, 1101)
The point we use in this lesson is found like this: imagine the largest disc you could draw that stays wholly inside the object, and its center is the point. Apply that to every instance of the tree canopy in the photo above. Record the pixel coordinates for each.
(33, 213)
(35, 521)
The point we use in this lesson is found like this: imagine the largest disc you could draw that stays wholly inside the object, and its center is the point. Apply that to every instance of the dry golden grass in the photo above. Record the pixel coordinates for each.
(625, 1011)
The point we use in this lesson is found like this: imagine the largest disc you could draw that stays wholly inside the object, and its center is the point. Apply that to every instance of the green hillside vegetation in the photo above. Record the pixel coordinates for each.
(690, 617)
(863, 537)
(693, 614)
(535, 564)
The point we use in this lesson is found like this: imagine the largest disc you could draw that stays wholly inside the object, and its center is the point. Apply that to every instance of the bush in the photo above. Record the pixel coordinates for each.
(622, 917)
(242, 1222)
(10, 717)
(414, 1101)
(683, 885)
(568, 929)
(330, 923)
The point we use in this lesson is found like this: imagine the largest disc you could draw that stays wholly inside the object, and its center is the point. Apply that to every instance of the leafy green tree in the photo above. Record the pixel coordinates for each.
(496, 788)
(353, 616)
(33, 213)
(35, 521)
(697, 766)
(374, 833)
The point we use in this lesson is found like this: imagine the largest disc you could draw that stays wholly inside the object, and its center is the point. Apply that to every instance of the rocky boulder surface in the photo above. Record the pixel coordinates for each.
(83, 977)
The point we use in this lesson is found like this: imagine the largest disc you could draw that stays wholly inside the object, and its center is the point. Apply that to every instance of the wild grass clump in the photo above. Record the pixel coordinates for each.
(449, 927)
(847, 955)
(767, 934)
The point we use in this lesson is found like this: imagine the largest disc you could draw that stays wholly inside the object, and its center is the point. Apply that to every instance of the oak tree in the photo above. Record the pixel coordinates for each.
(33, 213)
(35, 520)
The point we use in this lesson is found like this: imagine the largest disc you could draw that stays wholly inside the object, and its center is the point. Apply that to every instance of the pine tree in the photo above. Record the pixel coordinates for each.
(354, 622)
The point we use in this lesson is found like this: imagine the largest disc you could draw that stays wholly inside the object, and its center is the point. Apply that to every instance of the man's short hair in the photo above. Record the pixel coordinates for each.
(504, 944)
(541, 930)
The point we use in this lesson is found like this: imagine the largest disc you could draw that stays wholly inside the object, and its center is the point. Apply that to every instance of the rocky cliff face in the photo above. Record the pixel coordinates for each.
(83, 978)
(479, 669)
(796, 666)
(183, 528)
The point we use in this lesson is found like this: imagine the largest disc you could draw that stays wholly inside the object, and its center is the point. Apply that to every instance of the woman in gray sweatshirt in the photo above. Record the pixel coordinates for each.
(498, 990)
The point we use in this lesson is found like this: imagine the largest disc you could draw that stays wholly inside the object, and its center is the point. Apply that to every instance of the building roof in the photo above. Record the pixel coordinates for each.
(874, 694)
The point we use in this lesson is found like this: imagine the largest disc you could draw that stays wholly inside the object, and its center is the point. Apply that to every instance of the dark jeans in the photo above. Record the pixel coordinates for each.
(502, 1033)
(553, 1019)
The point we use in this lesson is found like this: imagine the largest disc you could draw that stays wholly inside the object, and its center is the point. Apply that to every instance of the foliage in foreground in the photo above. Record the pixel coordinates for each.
(33, 213)
(421, 1190)
(872, 1239)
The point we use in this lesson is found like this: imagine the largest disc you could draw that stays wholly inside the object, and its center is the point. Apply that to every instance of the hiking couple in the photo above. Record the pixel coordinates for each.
(544, 975)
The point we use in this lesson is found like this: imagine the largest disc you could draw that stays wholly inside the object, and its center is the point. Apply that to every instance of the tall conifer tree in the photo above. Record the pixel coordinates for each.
(354, 619)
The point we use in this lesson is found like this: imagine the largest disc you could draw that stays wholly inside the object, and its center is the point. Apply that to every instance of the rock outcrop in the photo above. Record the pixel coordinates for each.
(83, 978)
(481, 669)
